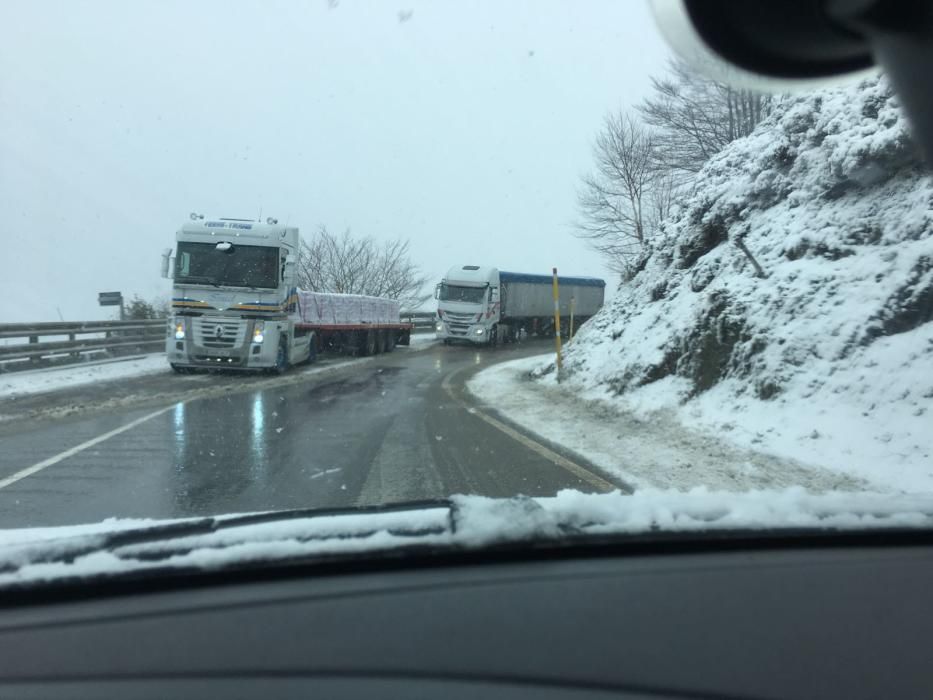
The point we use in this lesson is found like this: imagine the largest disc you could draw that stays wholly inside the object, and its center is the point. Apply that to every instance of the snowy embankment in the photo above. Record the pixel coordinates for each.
(69, 376)
(828, 357)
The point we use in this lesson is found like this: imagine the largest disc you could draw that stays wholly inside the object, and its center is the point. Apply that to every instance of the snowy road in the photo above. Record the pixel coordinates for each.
(343, 433)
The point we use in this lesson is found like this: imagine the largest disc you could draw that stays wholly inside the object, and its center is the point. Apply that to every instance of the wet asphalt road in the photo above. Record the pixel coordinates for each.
(393, 428)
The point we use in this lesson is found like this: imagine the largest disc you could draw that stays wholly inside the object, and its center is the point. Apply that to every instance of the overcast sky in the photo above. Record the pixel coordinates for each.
(464, 126)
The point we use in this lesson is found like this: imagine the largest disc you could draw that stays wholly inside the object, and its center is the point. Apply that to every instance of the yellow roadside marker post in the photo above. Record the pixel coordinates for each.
(557, 322)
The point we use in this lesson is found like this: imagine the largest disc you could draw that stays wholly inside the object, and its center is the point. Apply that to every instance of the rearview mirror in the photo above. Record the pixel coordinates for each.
(437, 292)
(777, 46)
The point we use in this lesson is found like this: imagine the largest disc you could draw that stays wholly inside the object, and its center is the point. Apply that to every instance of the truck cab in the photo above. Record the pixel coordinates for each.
(468, 305)
(234, 296)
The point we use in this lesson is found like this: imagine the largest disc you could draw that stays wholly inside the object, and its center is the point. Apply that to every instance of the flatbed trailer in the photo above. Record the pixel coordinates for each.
(362, 339)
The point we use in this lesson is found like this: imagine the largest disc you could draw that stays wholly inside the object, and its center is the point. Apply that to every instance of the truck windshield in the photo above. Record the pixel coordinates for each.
(472, 295)
(237, 266)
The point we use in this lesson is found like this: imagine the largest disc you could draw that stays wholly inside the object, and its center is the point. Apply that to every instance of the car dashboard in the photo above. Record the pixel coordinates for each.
(846, 620)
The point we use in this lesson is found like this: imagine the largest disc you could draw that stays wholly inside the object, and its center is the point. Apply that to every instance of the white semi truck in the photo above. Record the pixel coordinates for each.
(485, 306)
(236, 304)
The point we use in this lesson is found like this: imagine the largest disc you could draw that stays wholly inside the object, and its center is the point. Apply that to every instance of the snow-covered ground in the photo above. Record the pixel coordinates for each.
(644, 448)
(57, 378)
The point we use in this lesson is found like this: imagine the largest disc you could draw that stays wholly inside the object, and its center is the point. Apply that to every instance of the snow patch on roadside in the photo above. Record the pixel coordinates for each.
(178, 388)
(29, 382)
(54, 379)
(648, 448)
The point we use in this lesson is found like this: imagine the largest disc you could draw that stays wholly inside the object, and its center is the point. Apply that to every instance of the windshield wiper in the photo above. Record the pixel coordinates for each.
(451, 526)
(141, 548)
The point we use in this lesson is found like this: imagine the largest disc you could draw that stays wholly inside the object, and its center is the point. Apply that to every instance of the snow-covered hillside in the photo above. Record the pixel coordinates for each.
(827, 358)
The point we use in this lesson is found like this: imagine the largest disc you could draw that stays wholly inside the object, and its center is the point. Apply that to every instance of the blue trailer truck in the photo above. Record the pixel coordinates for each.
(486, 306)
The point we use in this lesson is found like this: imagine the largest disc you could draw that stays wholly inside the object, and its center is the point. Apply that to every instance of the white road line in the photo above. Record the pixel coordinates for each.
(578, 471)
(29, 471)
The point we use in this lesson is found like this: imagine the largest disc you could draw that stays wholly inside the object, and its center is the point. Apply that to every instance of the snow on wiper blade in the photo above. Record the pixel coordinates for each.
(114, 549)
(698, 510)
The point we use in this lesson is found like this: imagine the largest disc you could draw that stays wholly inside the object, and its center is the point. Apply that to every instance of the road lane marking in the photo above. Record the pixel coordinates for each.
(38, 467)
(578, 471)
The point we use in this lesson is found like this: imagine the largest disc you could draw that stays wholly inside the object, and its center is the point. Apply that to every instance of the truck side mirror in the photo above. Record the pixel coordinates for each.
(166, 263)
(494, 294)
(437, 292)
(288, 270)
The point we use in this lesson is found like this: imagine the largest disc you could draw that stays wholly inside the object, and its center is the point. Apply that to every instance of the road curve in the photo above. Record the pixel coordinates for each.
(393, 428)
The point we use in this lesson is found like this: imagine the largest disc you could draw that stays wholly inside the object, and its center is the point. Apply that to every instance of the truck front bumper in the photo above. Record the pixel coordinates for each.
(232, 347)
(476, 334)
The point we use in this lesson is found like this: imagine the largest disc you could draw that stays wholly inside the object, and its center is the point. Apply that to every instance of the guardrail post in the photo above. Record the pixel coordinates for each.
(34, 359)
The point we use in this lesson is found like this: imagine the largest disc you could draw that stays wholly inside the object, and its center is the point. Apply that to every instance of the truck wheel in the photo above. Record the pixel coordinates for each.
(368, 344)
(281, 357)
(494, 336)
(312, 350)
(179, 369)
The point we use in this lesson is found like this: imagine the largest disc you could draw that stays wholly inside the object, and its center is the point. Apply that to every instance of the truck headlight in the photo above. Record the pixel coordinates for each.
(439, 327)
(258, 331)
(179, 330)
(479, 331)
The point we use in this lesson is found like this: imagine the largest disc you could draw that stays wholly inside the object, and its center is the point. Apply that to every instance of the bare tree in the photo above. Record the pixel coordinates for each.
(139, 309)
(641, 164)
(614, 200)
(664, 188)
(347, 264)
(696, 117)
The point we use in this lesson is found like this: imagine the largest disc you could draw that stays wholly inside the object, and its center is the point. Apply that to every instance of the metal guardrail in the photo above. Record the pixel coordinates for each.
(74, 342)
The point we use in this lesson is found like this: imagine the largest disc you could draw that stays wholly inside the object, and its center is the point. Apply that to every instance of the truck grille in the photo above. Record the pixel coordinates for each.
(458, 324)
(212, 333)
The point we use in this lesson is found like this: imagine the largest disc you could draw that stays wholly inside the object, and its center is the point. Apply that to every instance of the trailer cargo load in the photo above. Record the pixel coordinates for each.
(321, 308)
(523, 295)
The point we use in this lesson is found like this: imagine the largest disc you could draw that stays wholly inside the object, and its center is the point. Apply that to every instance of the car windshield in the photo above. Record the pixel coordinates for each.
(239, 274)
(470, 295)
